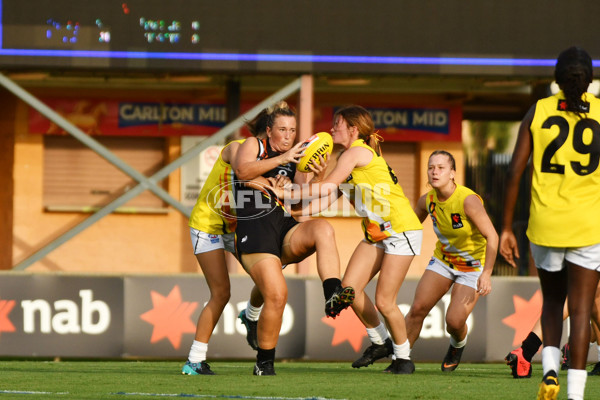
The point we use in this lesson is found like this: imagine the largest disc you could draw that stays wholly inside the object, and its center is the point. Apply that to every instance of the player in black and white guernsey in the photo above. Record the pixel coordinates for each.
(268, 237)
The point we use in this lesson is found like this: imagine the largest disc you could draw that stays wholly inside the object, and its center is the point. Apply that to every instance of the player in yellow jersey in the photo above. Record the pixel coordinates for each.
(212, 224)
(393, 233)
(562, 134)
(463, 258)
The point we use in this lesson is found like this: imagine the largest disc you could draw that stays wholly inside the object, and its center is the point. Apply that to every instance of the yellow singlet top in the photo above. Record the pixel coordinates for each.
(212, 212)
(565, 190)
(376, 195)
(460, 244)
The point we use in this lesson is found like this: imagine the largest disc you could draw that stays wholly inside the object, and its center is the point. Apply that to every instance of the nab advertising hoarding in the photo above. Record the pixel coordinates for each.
(156, 316)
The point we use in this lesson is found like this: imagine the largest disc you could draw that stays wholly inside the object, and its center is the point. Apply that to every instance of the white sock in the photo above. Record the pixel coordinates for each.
(252, 313)
(402, 350)
(550, 359)
(598, 349)
(379, 334)
(198, 352)
(576, 383)
(458, 345)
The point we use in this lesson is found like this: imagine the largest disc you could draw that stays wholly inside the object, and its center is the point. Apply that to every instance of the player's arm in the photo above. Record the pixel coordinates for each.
(421, 208)
(229, 152)
(246, 166)
(476, 213)
(523, 147)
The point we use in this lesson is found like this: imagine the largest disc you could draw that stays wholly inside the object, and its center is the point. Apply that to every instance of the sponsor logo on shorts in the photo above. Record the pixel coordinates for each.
(244, 239)
(214, 238)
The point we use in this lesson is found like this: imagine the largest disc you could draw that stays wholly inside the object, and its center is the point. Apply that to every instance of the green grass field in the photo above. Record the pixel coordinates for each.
(129, 380)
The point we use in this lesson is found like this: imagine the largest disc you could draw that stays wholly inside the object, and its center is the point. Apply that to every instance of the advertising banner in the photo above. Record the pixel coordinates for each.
(345, 338)
(156, 316)
(141, 118)
(162, 313)
(406, 123)
(61, 316)
(131, 118)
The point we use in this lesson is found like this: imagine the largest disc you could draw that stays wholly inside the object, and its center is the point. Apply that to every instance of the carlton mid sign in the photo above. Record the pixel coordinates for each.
(142, 118)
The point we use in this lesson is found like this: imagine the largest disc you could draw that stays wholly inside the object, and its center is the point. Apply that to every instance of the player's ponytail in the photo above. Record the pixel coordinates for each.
(258, 124)
(573, 74)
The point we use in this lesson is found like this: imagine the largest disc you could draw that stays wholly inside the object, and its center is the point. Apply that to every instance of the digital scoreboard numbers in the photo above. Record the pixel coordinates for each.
(433, 37)
(99, 25)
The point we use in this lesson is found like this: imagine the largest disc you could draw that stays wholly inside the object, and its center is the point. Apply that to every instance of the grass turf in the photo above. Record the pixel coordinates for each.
(130, 380)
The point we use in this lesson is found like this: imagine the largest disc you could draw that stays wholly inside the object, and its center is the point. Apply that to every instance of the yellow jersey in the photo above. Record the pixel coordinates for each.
(565, 190)
(460, 245)
(374, 192)
(213, 212)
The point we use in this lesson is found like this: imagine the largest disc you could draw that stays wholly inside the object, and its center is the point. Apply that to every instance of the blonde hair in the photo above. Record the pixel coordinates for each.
(279, 109)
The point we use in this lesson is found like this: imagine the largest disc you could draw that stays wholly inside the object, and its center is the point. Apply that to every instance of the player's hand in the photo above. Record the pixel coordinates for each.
(293, 155)
(318, 169)
(280, 181)
(280, 187)
(484, 285)
(508, 247)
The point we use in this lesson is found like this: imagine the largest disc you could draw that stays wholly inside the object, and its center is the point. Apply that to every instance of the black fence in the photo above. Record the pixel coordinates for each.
(486, 175)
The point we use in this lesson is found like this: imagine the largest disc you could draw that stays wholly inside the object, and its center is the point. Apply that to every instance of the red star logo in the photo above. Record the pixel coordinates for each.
(170, 317)
(6, 307)
(347, 328)
(527, 312)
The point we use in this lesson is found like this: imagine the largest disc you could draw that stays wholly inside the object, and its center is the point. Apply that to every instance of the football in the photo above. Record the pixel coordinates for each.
(319, 144)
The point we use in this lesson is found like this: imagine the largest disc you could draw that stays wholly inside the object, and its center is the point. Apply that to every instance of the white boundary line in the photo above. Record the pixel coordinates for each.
(28, 392)
(223, 396)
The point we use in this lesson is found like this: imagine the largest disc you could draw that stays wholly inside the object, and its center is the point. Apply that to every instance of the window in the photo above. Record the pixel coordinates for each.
(78, 179)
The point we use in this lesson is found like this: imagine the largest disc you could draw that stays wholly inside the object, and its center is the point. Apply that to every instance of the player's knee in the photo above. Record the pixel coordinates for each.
(385, 306)
(221, 296)
(454, 323)
(324, 231)
(276, 298)
(418, 311)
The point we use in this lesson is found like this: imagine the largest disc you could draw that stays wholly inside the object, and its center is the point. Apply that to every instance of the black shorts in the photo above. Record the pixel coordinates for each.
(264, 234)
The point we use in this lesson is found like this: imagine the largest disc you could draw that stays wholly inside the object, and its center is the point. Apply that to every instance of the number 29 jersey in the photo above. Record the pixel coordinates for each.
(565, 189)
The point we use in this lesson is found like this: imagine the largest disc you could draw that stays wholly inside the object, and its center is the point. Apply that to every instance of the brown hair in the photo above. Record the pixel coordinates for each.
(267, 116)
(359, 117)
(445, 153)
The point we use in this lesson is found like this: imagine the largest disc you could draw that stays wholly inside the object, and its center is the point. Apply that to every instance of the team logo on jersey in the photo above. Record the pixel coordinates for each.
(431, 207)
(456, 221)
(562, 106)
(432, 212)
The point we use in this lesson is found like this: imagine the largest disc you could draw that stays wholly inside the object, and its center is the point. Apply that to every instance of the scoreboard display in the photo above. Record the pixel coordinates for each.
(387, 36)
